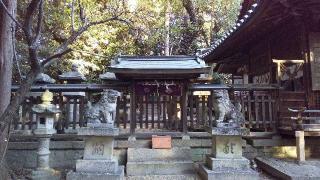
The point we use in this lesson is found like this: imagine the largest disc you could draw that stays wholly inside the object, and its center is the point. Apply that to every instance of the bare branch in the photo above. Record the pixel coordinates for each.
(116, 18)
(33, 55)
(28, 20)
(39, 24)
(82, 13)
(55, 56)
(72, 16)
(10, 15)
(63, 48)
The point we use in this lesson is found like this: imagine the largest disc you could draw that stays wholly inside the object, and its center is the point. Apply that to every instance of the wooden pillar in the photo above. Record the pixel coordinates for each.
(132, 109)
(305, 51)
(300, 144)
(184, 105)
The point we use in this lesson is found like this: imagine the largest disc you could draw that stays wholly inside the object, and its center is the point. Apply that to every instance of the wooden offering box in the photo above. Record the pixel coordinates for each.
(161, 142)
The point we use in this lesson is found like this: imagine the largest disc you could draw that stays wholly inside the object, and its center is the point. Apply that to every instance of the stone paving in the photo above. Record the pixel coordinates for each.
(290, 169)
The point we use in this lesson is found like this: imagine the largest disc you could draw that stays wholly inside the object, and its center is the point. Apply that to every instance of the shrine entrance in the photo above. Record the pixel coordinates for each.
(290, 74)
(159, 104)
(158, 89)
(292, 93)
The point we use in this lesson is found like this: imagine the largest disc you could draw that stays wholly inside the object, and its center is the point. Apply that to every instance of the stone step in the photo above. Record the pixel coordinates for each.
(159, 168)
(227, 164)
(165, 177)
(97, 166)
(119, 175)
(208, 174)
(144, 154)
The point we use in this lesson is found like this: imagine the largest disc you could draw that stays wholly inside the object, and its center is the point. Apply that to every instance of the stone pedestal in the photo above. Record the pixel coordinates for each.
(43, 170)
(98, 161)
(45, 113)
(226, 161)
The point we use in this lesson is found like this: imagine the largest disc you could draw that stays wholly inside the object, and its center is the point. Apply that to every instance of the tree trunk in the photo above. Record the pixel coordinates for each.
(6, 58)
(6, 53)
(167, 28)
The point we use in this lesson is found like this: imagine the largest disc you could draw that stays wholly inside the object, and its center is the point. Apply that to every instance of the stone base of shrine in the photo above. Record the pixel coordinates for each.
(227, 169)
(227, 164)
(48, 174)
(226, 161)
(227, 174)
(118, 175)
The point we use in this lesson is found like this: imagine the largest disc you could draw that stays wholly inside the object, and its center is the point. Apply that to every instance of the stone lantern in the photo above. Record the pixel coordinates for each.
(45, 115)
(41, 79)
(73, 76)
(73, 98)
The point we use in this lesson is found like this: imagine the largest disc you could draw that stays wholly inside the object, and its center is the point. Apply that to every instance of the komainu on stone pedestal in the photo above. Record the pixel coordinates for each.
(226, 114)
(104, 110)
(98, 161)
(226, 161)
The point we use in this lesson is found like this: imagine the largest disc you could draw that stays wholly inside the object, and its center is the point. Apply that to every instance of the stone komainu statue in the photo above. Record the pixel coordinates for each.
(104, 110)
(226, 114)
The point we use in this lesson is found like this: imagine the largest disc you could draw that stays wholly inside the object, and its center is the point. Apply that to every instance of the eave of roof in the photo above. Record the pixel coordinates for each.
(255, 24)
(253, 13)
(157, 63)
(158, 67)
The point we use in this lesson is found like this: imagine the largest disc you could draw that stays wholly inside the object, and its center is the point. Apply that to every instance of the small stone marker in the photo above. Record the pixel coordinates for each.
(161, 142)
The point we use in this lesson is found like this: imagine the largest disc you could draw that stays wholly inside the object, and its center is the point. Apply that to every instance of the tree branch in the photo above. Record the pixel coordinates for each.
(39, 24)
(72, 15)
(63, 48)
(55, 56)
(28, 20)
(33, 55)
(10, 15)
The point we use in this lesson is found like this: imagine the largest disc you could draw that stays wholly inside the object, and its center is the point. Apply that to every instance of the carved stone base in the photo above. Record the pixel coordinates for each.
(228, 131)
(226, 161)
(119, 175)
(225, 174)
(48, 174)
(226, 146)
(98, 161)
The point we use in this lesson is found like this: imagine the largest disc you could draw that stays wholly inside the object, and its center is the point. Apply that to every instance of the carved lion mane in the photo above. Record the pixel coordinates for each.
(104, 110)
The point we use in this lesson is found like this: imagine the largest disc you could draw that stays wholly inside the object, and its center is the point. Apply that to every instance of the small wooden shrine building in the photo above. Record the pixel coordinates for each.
(158, 88)
(274, 42)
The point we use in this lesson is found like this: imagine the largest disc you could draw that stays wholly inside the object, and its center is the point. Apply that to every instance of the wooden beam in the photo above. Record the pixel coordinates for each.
(184, 104)
(132, 109)
(288, 61)
(300, 144)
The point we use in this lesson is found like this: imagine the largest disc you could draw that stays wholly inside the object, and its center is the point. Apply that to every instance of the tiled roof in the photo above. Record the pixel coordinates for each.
(158, 62)
(241, 21)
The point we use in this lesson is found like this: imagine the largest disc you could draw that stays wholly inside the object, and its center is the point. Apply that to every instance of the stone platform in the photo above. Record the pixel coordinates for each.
(98, 161)
(48, 174)
(165, 177)
(146, 162)
(119, 175)
(227, 169)
(226, 161)
(289, 169)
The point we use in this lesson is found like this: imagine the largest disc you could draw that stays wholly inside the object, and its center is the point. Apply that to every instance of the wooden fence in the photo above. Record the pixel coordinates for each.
(259, 106)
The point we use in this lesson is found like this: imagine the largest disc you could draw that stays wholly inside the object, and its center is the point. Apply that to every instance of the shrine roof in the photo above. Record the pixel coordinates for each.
(160, 65)
(158, 62)
(257, 19)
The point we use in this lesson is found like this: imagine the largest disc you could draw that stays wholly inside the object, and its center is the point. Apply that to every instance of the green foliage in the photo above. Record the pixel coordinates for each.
(144, 34)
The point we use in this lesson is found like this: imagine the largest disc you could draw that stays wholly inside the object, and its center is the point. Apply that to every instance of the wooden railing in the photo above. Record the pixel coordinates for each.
(153, 111)
(258, 105)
